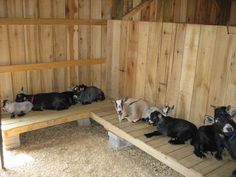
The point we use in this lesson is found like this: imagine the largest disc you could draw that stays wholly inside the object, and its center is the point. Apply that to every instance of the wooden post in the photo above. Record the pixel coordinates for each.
(1, 140)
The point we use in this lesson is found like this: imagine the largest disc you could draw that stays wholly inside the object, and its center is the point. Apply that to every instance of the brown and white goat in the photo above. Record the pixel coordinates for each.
(131, 109)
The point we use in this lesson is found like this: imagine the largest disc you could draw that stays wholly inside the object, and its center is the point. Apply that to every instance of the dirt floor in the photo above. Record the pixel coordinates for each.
(72, 151)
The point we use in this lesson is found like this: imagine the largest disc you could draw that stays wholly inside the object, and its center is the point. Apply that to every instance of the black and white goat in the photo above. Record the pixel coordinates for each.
(221, 134)
(88, 94)
(41, 101)
(165, 110)
(179, 130)
(15, 108)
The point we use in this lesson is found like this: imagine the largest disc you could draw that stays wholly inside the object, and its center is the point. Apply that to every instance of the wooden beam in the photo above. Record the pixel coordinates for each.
(51, 21)
(137, 9)
(51, 65)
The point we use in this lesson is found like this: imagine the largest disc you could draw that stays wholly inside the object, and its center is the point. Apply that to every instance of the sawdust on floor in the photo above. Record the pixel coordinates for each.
(70, 150)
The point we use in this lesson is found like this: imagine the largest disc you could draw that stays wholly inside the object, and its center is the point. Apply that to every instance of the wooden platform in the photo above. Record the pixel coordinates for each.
(178, 157)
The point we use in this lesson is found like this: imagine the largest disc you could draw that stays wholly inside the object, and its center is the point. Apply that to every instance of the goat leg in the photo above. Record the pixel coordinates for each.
(219, 151)
(176, 141)
(155, 133)
(21, 114)
(12, 115)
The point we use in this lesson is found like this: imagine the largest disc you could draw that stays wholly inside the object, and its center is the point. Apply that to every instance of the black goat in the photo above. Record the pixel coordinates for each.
(179, 130)
(71, 96)
(41, 101)
(88, 94)
(213, 138)
(234, 173)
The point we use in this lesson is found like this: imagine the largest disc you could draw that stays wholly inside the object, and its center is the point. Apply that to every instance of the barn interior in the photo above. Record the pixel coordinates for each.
(167, 52)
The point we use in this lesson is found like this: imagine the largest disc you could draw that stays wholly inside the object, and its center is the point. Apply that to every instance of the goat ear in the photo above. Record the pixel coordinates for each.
(228, 108)
(172, 107)
(125, 99)
(232, 113)
(210, 119)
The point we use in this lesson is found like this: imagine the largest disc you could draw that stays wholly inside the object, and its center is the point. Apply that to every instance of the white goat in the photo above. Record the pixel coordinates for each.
(17, 108)
(130, 108)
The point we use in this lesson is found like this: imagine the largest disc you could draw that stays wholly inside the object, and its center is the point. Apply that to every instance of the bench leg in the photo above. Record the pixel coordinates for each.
(11, 142)
(84, 122)
(117, 143)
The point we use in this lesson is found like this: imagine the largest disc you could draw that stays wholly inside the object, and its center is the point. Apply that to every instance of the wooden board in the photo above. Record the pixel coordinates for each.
(172, 64)
(34, 120)
(178, 157)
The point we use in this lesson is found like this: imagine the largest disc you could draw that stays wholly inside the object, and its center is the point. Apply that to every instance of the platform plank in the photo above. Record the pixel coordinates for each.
(178, 157)
(41, 119)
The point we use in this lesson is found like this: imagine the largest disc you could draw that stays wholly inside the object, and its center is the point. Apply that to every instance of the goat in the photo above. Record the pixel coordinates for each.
(71, 96)
(15, 108)
(234, 173)
(41, 101)
(179, 130)
(213, 138)
(88, 94)
(130, 108)
(165, 110)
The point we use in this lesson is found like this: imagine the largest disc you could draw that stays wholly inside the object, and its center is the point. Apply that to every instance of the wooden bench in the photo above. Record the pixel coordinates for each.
(178, 157)
(12, 128)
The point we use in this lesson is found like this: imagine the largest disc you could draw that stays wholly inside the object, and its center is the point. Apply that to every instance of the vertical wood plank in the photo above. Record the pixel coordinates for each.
(175, 67)
(168, 10)
(5, 78)
(188, 70)
(130, 81)
(166, 52)
(219, 71)
(141, 58)
(96, 41)
(16, 44)
(230, 98)
(153, 54)
(84, 10)
(32, 46)
(124, 41)
(203, 73)
(106, 14)
(114, 56)
(59, 46)
(72, 42)
(46, 45)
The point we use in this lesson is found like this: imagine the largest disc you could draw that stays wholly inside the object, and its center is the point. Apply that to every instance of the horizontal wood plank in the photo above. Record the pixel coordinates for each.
(51, 65)
(51, 21)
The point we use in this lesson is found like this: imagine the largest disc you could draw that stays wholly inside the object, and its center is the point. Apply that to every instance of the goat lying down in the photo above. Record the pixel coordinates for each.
(15, 108)
(88, 94)
(131, 109)
(179, 130)
(221, 134)
(45, 101)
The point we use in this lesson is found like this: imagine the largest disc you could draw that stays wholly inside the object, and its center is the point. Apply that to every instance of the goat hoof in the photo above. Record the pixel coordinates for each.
(199, 154)
(218, 157)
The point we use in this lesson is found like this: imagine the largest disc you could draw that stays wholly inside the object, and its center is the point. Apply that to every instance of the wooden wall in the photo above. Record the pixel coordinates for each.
(189, 66)
(184, 11)
(20, 44)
